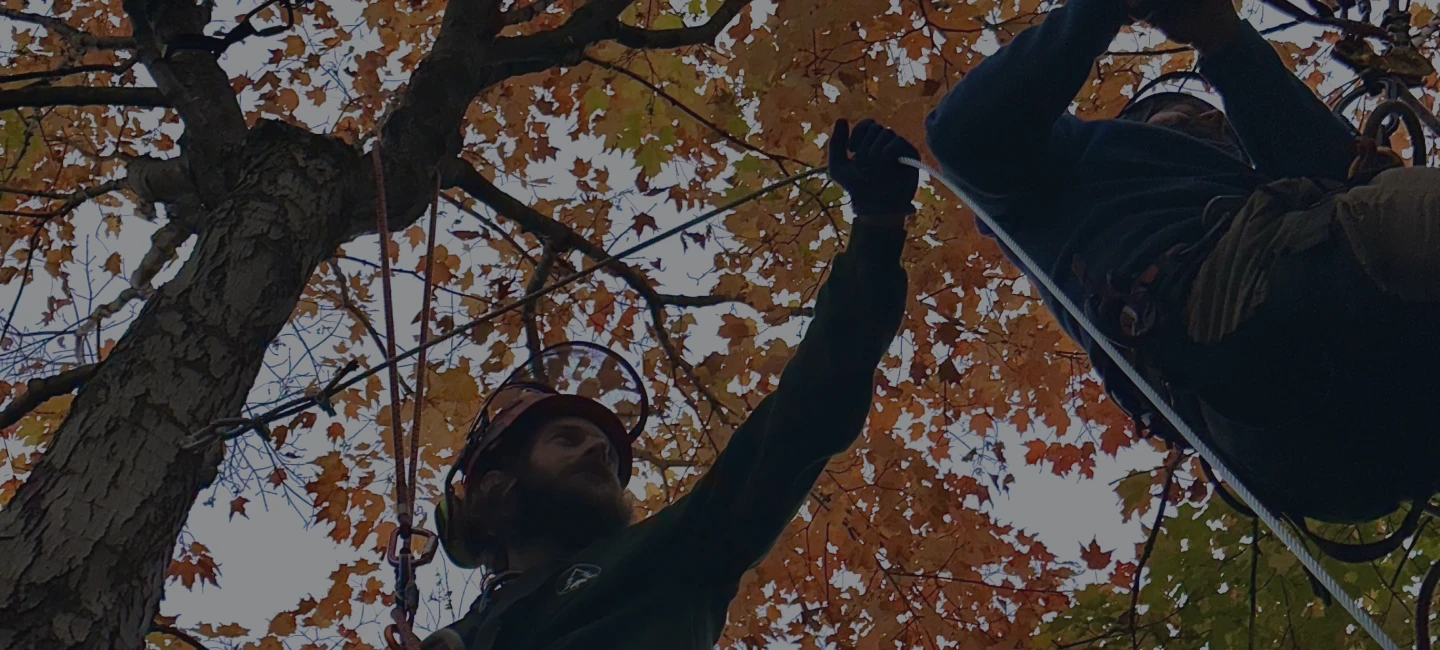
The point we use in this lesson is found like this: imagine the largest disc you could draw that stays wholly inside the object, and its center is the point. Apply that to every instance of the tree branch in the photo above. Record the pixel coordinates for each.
(197, 88)
(712, 300)
(532, 328)
(729, 137)
(527, 13)
(39, 391)
(561, 238)
(661, 462)
(343, 282)
(43, 96)
(490, 225)
(68, 201)
(179, 634)
(117, 68)
(77, 38)
(163, 245)
(670, 38)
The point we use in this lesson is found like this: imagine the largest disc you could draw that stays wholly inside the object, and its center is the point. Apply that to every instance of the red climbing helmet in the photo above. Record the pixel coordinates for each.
(568, 379)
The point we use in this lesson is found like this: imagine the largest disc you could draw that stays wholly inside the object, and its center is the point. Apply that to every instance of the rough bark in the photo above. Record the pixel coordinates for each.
(85, 544)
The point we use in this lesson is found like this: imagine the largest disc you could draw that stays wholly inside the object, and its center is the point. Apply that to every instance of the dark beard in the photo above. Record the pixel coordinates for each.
(542, 510)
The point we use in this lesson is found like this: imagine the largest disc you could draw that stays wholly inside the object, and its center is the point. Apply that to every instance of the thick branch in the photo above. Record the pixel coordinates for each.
(423, 130)
(674, 300)
(669, 38)
(39, 391)
(42, 96)
(197, 88)
(592, 23)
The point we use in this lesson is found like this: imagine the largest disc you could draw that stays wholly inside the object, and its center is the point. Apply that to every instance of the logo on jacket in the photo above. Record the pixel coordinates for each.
(577, 576)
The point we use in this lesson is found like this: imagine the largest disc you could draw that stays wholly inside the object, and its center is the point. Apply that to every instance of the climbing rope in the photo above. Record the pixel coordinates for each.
(400, 635)
(1289, 538)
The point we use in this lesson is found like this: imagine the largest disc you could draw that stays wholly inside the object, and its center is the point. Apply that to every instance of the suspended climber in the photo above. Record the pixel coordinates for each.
(540, 497)
(1276, 277)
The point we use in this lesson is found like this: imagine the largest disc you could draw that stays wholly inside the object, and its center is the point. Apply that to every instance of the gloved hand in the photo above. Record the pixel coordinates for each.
(1205, 24)
(881, 189)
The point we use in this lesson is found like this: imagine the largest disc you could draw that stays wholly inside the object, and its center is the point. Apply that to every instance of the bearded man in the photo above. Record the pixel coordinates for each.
(542, 504)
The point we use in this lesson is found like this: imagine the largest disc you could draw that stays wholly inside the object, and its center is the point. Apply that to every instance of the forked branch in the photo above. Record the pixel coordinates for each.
(39, 391)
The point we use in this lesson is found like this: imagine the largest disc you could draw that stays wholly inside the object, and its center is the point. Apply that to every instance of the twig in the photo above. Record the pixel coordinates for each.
(491, 226)
(179, 634)
(342, 281)
(163, 245)
(118, 68)
(687, 110)
(527, 13)
(661, 462)
(1150, 548)
(527, 313)
(70, 201)
(39, 391)
(78, 38)
(42, 96)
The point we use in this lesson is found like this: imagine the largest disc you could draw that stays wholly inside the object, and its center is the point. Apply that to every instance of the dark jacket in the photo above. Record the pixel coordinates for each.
(1108, 195)
(666, 583)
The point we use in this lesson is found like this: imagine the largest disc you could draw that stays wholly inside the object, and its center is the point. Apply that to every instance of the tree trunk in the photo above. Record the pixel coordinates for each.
(85, 543)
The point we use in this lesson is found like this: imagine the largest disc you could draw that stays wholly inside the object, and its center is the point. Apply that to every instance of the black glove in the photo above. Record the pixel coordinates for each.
(878, 185)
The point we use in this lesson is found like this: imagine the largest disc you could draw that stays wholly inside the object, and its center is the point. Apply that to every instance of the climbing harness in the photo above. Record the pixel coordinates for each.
(1289, 538)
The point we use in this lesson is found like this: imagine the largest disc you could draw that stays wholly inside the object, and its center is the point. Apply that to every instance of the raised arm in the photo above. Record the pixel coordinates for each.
(765, 473)
(993, 128)
(1284, 126)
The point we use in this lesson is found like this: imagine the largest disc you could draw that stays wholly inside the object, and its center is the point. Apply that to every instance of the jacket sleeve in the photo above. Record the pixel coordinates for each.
(765, 473)
(993, 129)
(1283, 125)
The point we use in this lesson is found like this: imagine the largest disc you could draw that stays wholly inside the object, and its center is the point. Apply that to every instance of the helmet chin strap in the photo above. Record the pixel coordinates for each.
(1289, 538)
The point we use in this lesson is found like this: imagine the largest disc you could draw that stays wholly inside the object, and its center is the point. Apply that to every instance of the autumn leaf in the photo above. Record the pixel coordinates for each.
(643, 221)
(112, 264)
(1094, 558)
(736, 328)
(283, 624)
(237, 507)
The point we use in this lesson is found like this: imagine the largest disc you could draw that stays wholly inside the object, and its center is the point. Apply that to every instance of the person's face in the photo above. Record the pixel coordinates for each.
(1192, 120)
(572, 455)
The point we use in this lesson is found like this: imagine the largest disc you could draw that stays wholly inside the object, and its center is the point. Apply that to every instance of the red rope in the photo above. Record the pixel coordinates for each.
(400, 635)
(382, 223)
(424, 339)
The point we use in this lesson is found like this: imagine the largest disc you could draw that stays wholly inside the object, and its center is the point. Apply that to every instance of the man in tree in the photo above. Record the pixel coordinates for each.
(1291, 312)
(544, 507)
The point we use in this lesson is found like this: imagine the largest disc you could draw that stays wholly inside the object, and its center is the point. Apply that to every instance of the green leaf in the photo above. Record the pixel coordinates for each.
(594, 99)
(651, 157)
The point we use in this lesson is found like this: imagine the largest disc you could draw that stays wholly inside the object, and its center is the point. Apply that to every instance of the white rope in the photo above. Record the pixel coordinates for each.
(1291, 541)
